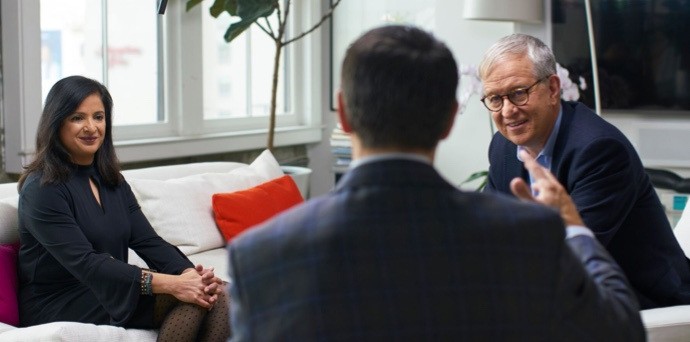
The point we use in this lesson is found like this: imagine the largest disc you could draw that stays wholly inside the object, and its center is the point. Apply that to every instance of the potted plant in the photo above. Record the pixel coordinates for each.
(257, 12)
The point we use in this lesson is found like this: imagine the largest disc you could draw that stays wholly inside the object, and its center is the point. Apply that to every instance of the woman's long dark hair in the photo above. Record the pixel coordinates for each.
(52, 158)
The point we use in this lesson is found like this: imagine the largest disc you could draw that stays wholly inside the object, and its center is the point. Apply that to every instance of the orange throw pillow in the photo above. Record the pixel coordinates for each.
(236, 211)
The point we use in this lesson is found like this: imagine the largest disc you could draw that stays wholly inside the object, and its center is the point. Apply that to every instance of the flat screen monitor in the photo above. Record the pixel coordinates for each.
(642, 49)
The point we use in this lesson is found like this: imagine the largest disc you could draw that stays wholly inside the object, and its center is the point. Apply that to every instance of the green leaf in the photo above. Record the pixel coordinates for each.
(484, 175)
(476, 175)
(220, 6)
(482, 185)
(236, 29)
(249, 12)
(192, 3)
(255, 9)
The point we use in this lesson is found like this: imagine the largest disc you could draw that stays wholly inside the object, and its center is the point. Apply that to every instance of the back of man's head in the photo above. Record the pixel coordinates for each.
(399, 85)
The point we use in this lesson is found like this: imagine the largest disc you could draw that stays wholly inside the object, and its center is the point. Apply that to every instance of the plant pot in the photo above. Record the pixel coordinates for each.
(301, 177)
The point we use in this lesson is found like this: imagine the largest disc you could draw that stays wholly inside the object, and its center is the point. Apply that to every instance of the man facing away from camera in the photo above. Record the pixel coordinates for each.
(396, 252)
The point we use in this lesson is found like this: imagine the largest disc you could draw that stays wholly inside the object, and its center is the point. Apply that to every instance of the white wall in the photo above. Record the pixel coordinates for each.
(322, 178)
(465, 150)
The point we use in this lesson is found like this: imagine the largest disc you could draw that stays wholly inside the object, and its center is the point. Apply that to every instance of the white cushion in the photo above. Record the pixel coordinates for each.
(9, 225)
(180, 209)
(667, 324)
(8, 190)
(72, 331)
(180, 170)
(216, 258)
(134, 259)
(5, 327)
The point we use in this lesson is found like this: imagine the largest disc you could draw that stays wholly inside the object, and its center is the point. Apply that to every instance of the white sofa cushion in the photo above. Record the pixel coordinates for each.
(8, 190)
(5, 327)
(9, 225)
(180, 209)
(667, 324)
(216, 258)
(72, 331)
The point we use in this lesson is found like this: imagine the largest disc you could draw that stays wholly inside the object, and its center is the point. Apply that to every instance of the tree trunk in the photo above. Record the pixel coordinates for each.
(274, 95)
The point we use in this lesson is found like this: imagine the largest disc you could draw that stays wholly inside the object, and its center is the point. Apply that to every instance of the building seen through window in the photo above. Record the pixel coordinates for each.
(122, 43)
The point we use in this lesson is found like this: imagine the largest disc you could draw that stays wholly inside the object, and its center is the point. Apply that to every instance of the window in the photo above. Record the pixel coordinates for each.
(178, 88)
(85, 37)
(248, 58)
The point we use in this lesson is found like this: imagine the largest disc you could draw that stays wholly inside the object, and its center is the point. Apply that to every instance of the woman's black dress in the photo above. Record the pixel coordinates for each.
(73, 254)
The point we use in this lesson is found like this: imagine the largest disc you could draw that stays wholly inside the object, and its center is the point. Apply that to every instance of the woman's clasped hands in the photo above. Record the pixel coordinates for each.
(197, 285)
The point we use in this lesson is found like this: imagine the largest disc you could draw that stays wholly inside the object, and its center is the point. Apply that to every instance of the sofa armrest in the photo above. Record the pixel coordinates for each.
(667, 324)
(5, 327)
(72, 331)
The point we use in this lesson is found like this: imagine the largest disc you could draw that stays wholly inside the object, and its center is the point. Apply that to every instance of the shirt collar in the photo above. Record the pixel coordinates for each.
(389, 156)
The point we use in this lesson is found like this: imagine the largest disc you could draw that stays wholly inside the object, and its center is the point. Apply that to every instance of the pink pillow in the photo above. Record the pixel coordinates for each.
(9, 311)
(237, 211)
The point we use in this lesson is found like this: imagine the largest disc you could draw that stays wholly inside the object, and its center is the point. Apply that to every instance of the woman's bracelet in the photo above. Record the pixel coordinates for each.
(146, 288)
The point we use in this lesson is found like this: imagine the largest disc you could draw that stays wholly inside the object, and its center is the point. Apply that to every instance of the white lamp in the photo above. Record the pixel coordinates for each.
(524, 11)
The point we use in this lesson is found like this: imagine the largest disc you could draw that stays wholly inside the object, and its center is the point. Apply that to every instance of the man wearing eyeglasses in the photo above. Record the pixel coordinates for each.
(593, 160)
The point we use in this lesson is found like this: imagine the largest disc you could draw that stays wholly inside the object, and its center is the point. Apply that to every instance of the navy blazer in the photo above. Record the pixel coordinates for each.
(604, 175)
(398, 253)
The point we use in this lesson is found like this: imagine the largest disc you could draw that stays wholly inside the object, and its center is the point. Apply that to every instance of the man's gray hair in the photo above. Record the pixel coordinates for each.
(518, 45)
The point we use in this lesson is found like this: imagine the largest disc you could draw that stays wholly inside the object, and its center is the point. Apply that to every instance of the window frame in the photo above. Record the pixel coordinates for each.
(183, 134)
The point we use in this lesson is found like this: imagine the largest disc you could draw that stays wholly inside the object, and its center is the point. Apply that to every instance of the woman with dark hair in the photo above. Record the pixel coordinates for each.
(77, 219)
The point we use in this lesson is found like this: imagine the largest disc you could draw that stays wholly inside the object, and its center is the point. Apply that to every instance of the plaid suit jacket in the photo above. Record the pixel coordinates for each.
(395, 253)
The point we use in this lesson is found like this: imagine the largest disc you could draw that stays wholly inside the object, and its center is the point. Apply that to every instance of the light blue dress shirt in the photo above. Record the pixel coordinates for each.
(544, 158)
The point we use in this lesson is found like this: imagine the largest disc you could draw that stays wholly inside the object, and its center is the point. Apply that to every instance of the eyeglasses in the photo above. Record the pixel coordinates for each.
(518, 97)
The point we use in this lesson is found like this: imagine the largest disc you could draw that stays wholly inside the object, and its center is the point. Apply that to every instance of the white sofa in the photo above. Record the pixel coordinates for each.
(672, 323)
(177, 201)
(178, 187)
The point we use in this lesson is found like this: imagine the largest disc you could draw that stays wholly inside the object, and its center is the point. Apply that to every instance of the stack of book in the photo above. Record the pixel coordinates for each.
(342, 150)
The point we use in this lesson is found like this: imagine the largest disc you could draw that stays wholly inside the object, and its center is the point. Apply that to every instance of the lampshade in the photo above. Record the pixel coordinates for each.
(525, 11)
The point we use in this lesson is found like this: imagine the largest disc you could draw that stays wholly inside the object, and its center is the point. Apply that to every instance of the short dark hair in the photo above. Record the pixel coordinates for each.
(399, 87)
(52, 158)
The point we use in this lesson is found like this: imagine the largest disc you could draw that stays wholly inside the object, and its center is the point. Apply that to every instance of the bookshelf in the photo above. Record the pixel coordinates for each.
(341, 148)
